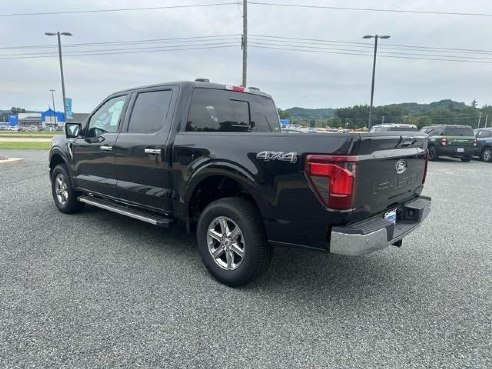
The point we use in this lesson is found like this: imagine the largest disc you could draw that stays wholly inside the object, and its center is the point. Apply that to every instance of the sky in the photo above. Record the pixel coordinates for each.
(307, 57)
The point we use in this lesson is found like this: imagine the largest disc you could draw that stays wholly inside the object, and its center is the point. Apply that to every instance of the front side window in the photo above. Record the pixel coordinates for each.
(150, 111)
(107, 117)
(227, 111)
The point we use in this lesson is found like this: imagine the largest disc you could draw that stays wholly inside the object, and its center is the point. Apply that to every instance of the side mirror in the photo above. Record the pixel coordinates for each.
(72, 130)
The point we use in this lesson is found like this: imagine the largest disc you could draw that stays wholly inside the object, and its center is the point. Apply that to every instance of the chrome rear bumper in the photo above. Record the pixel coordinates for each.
(376, 233)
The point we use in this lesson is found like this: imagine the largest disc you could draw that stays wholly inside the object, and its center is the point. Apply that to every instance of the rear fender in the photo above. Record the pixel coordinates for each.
(228, 170)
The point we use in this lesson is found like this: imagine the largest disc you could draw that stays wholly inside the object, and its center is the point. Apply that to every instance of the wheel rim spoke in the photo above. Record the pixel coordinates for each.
(218, 252)
(223, 226)
(235, 233)
(235, 248)
(230, 259)
(215, 235)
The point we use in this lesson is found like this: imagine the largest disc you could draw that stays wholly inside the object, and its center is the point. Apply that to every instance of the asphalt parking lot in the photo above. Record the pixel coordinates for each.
(100, 290)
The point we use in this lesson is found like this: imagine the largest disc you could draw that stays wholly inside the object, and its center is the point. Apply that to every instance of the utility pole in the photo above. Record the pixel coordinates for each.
(245, 42)
(54, 109)
(486, 119)
(479, 119)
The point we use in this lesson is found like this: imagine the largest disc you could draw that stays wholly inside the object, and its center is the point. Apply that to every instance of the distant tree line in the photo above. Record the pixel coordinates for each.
(4, 114)
(442, 112)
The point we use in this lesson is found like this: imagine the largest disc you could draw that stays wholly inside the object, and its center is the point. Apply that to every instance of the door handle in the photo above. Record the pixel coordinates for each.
(106, 148)
(153, 151)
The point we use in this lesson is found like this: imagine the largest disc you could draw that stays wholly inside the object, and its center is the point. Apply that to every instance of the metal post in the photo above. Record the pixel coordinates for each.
(479, 119)
(54, 108)
(245, 42)
(62, 79)
(373, 76)
(486, 119)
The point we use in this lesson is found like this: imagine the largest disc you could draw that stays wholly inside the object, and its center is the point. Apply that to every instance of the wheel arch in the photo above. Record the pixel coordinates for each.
(219, 181)
(56, 158)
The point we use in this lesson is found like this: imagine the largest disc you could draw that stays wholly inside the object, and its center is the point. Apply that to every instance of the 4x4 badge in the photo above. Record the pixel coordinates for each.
(400, 166)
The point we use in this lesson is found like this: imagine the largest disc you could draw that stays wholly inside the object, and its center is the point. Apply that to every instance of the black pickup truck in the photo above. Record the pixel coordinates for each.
(213, 158)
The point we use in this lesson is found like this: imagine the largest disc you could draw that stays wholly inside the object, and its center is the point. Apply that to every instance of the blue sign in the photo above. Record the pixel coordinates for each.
(68, 107)
(13, 120)
(284, 122)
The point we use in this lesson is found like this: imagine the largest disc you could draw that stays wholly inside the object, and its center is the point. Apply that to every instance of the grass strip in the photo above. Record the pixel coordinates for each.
(25, 145)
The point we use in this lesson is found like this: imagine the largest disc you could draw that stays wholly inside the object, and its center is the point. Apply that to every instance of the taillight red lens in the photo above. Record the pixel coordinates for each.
(474, 142)
(332, 177)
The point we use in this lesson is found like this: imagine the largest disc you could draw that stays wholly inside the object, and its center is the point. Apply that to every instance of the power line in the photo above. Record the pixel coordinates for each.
(325, 7)
(380, 10)
(124, 51)
(130, 42)
(116, 10)
(365, 54)
(387, 45)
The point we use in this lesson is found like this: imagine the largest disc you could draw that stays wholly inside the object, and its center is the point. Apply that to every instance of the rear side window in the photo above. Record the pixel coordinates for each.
(402, 129)
(459, 131)
(484, 133)
(150, 111)
(227, 111)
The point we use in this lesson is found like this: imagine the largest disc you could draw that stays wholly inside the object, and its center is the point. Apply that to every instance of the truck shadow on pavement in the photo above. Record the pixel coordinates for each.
(290, 270)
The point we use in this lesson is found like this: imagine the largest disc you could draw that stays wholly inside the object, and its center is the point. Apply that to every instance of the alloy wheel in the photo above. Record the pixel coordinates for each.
(61, 189)
(225, 243)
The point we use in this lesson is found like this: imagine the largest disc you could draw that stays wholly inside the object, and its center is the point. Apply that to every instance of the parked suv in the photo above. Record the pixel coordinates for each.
(456, 141)
(484, 144)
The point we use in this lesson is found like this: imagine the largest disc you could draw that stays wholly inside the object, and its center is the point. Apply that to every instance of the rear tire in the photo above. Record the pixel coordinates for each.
(433, 153)
(486, 154)
(232, 243)
(64, 195)
(466, 159)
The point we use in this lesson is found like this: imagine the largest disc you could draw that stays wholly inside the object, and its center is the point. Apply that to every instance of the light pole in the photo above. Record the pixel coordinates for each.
(54, 109)
(375, 37)
(61, 65)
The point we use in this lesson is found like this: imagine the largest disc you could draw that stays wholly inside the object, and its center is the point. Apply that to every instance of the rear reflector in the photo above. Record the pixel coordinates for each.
(332, 178)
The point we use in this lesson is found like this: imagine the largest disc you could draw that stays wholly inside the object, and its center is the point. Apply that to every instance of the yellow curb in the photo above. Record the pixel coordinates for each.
(12, 161)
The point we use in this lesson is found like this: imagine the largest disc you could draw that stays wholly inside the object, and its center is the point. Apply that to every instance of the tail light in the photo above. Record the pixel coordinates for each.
(236, 88)
(474, 142)
(332, 178)
(444, 141)
(426, 165)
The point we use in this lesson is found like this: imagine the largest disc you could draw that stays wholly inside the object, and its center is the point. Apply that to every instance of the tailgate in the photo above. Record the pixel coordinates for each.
(390, 172)
(460, 141)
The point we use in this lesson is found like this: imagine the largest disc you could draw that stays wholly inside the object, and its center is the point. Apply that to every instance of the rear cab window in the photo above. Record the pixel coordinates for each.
(459, 131)
(214, 110)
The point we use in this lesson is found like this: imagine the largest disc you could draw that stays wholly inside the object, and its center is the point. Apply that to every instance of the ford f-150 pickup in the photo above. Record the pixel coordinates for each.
(212, 157)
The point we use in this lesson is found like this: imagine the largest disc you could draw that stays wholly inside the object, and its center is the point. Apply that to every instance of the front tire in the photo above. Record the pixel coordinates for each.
(231, 242)
(64, 195)
(486, 154)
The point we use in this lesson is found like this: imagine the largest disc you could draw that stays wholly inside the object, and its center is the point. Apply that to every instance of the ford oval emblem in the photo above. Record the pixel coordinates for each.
(401, 166)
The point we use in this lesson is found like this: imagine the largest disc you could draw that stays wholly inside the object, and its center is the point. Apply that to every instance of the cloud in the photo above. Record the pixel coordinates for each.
(292, 78)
